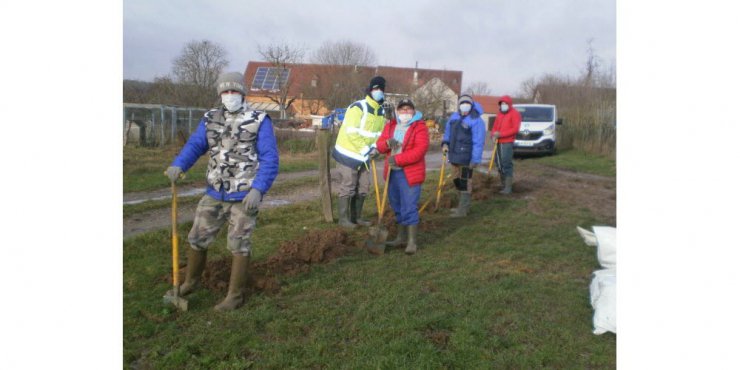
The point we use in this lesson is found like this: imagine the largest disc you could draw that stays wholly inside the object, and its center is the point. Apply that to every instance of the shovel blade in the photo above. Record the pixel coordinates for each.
(177, 301)
(376, 243)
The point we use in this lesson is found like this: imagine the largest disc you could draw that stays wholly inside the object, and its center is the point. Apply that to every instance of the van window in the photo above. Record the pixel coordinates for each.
(536, 114)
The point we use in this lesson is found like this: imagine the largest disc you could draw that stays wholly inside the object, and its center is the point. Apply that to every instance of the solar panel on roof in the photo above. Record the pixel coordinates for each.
(266, 78)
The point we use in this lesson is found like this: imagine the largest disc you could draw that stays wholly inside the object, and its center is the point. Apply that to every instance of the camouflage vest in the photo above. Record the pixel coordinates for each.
(232, 142)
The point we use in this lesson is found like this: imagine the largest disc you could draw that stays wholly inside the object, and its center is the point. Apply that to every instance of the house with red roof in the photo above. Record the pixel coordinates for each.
(316, 89)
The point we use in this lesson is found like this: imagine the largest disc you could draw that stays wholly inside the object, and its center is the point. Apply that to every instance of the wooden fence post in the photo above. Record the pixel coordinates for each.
(323, 143)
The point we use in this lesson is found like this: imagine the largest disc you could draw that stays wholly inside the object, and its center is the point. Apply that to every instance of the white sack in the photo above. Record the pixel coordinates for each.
(606, 248)
(604, 301)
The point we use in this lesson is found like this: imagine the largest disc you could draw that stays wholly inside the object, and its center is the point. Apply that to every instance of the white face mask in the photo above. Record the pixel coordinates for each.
(504, 107)
(465, 107)
(404, 117)
(232, 102)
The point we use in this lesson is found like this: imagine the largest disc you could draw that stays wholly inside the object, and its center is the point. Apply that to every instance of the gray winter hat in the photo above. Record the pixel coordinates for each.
(465, 99)
(230, 81)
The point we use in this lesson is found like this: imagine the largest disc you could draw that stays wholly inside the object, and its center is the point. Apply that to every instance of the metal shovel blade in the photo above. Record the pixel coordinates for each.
(376, 243)
(173, 297)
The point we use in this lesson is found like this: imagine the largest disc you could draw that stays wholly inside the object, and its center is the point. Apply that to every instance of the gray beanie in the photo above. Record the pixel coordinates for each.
(230, 81)
(465, 99)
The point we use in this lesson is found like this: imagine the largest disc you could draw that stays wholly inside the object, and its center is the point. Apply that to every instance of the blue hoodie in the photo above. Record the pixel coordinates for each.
(465, 136)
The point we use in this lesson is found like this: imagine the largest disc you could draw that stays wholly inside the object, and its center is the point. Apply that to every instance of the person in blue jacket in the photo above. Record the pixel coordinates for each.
(465, 134)
(243, 163)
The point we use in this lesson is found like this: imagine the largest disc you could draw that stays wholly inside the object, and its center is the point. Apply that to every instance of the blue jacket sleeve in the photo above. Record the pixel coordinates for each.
(195, 147)
(446, 135)
(479, 139)
(269, 158)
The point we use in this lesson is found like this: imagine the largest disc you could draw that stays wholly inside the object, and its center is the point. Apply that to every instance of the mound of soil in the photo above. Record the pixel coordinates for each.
(292, 257)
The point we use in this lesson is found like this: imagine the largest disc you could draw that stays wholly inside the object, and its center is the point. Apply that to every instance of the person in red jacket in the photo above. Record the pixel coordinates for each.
(405, 141)
(504, 130)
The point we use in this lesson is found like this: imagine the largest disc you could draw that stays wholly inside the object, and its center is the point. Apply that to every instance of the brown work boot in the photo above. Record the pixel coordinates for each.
(237, 282)
(196, 264)
(411, 245)
(400, 239)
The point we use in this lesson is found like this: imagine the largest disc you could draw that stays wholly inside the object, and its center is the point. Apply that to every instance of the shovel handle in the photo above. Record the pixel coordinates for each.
(375, 181)
(441, 180)
(385, 193)
(493, 156)
(175, 256)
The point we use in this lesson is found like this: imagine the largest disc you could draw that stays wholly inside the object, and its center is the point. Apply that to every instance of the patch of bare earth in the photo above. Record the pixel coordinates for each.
(292, 257)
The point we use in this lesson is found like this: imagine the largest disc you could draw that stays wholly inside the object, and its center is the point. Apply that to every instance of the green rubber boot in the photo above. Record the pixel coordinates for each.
(356, 211)
(237, 282)
(344, 213)
(508, 181)
(196, 264)
(411, 245)
(463, 206)
(401, 238)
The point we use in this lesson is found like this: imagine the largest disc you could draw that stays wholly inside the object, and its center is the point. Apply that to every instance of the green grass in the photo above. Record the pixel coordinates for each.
(143, 168)
(581, 161)
(503, 288)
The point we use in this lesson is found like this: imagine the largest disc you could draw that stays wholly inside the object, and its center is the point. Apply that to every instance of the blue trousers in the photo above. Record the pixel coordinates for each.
(505, 159)
(404, 199)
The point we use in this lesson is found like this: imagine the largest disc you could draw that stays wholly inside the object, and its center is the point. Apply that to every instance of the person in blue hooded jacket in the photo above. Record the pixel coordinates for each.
(465, 134)
(243, 164)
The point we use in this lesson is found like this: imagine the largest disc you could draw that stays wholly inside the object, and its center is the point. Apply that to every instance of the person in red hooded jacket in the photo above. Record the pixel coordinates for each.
(504, 130)
(405, 141)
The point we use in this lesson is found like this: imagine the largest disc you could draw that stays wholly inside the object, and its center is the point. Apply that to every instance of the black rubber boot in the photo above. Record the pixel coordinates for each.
(237, 282)
(411, 245)
(196, 264)
(344, 213)
(400, 239)
(356, 211)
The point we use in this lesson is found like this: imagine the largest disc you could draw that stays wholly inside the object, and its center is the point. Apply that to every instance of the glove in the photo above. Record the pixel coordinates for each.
(495, 135)
(252, 200)
(445, 148)
(173, 172)
(373, 153)
(392, 161)
(392, 143)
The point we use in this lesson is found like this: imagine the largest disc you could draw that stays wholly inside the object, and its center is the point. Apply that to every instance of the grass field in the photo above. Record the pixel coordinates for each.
(506, 287)
(143, 167)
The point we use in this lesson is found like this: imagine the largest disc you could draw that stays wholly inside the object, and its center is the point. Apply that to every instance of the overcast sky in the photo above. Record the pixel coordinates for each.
(498, 42)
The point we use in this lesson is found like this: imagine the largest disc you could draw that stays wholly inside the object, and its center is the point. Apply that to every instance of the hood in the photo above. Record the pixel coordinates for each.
(506, 99)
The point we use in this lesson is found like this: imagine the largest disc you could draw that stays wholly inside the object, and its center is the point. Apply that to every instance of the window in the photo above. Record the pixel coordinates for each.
(535, 114)
(266, 78)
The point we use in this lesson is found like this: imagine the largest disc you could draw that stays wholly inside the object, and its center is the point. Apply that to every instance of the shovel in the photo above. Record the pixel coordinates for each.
(378, 233)
(173, 296)
(493, 156)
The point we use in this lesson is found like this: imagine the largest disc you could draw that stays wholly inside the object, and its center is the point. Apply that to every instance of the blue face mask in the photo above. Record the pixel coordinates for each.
(465, 107)
(377, 95)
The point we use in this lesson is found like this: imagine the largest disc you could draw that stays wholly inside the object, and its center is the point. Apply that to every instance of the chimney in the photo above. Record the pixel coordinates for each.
(416, 74)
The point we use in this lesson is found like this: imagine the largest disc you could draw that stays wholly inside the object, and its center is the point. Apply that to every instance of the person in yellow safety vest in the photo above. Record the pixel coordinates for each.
(355, 147)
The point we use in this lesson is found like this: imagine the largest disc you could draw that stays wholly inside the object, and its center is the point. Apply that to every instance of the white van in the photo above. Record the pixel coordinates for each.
(537, 132)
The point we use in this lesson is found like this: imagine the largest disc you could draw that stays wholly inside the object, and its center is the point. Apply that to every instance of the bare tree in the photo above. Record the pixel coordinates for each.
(344, 53)
(478, 88)
(282, 56)
(197, 68)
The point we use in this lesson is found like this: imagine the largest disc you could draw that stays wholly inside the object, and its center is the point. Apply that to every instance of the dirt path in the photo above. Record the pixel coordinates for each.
(532, 181)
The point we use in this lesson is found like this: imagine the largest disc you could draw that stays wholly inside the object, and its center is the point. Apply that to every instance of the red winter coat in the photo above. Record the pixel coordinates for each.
(507, 124)
(413, 149)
